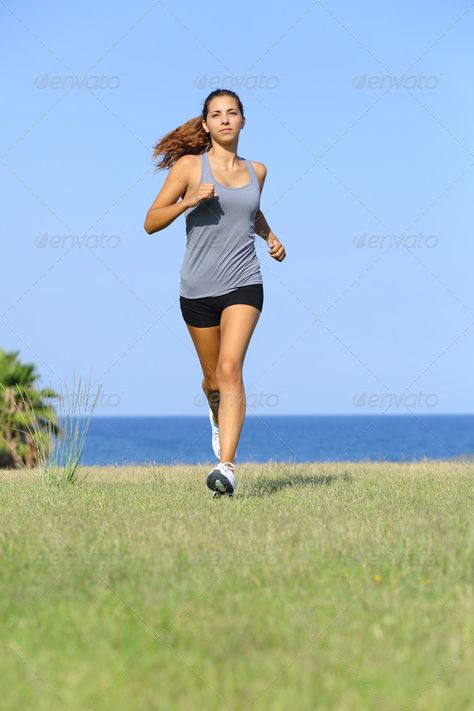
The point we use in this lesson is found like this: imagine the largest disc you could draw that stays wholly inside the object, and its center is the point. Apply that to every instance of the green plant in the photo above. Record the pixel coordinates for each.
(23, 407)
(32, 433)
(60, 462)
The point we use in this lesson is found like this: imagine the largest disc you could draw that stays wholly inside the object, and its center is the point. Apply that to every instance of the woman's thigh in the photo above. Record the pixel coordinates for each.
(238, 322)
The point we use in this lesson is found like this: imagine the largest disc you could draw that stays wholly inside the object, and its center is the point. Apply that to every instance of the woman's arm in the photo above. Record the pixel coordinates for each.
(165, 209)
(262, 228)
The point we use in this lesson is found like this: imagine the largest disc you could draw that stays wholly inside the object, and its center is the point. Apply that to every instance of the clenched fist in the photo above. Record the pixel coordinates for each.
(276, 249)
(202, 192)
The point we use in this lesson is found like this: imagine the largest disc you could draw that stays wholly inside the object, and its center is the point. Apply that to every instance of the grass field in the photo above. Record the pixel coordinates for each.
(319, 586)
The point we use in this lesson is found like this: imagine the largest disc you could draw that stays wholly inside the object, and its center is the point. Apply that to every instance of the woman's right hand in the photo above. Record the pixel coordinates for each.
(205, 191)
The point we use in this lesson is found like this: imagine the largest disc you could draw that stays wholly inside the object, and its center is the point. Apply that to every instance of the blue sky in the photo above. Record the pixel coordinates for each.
(362, 114)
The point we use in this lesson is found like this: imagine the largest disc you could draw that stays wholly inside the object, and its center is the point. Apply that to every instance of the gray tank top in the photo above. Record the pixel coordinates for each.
(220, 239)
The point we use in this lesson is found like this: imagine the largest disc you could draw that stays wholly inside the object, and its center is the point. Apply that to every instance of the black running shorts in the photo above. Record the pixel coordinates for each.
(207, 311)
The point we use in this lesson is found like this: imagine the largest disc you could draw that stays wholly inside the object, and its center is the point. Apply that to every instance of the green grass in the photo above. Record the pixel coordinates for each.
(319, 586)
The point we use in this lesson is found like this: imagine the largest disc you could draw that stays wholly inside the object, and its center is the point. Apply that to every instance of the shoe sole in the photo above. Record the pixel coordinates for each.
(216, 481)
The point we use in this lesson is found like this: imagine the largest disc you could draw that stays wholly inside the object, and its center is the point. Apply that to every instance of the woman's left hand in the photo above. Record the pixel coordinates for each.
(276, 249)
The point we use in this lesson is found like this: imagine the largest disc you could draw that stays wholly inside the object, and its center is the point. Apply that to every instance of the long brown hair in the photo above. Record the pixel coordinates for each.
(190, 137)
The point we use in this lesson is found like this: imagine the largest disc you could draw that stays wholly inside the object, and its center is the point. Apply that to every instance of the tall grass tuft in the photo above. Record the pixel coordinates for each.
(59, 449)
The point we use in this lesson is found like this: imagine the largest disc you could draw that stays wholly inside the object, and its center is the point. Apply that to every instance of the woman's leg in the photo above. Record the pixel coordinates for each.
(207, 343)
(238, 322)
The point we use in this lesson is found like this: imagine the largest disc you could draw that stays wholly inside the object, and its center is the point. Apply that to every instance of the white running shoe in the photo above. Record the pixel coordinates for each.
(221, 479)
(216, 446)
(215, 436)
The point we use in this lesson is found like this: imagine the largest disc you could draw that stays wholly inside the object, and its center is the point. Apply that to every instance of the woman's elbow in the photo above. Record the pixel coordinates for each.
(149, 227)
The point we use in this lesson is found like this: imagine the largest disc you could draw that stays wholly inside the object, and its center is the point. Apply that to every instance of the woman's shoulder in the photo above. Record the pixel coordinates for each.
(187, 168)
(188, 159)
(260, 169)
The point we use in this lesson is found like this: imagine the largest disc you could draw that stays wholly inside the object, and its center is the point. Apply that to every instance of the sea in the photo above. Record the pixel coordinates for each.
(280, 438)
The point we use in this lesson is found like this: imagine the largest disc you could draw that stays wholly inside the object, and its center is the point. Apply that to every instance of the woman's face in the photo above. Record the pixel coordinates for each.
(223, 114)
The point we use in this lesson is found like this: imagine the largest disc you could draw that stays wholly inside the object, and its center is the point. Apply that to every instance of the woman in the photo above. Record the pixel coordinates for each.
(221, 286)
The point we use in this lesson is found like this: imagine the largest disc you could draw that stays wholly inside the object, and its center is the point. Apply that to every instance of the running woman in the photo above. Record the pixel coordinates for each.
(221, 286)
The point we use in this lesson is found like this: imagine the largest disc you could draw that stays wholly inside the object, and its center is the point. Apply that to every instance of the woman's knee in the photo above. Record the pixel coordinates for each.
(210, 386)
(229, 369)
